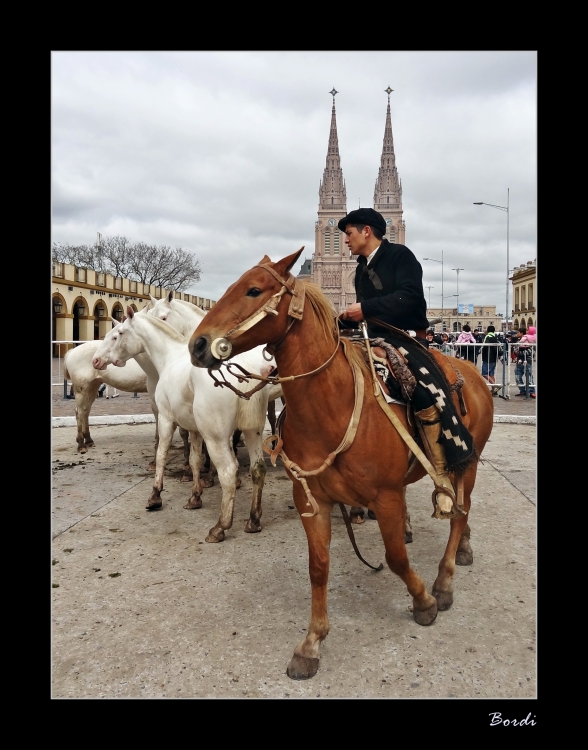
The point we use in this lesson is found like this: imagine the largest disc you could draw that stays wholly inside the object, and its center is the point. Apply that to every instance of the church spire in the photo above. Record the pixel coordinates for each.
(388, 188)
(332, 191)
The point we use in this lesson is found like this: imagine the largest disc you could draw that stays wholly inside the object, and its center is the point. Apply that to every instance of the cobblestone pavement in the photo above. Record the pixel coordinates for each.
(126, 403)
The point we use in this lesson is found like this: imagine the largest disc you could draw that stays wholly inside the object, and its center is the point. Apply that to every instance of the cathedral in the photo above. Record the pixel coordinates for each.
(332, 267)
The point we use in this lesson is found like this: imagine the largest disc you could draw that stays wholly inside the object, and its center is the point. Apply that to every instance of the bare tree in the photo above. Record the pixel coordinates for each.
(161, 265)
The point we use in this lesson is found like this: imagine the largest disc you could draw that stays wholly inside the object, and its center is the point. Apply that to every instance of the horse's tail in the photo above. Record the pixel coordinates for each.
(252, 413)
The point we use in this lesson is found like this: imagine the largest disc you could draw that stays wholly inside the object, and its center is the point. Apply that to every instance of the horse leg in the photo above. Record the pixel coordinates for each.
(187, 475)
(464, 554)
(84, 398)
(166, 432)
(195, 459)
(236, 438)
(224, 459)
(155, 411)
(442, 588)
(407, 526)
(390, 517)
(357, 514)
(305, 661)
(257, 470)
(207, 469)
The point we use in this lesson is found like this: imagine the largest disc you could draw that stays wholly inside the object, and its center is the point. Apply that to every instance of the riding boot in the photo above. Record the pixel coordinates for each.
(443, 502)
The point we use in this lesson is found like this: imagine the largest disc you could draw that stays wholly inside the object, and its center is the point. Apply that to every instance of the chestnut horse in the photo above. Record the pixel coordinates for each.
(372, 472)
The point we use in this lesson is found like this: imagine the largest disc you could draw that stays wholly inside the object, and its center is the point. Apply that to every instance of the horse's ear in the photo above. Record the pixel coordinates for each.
(114, 323)
(130, 311)
(124, 317)
(283, 266)
(265, 259)
(170, 296)
(153, 300)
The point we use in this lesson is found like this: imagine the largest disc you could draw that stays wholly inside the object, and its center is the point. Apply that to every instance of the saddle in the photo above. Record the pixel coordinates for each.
(389, 362)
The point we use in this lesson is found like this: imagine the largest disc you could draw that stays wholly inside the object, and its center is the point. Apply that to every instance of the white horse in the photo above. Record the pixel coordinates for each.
(86, 379)
(186, 396)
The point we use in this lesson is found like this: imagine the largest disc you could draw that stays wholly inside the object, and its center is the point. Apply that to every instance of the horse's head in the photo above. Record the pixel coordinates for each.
(102, 358)
(255, 310)
(124, 341)
(182, 316)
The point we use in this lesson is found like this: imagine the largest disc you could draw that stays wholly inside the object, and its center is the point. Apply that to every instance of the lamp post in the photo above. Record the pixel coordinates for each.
(457, 290)
(429, 288)
(449, 296)
(506, 209)
(439, 261)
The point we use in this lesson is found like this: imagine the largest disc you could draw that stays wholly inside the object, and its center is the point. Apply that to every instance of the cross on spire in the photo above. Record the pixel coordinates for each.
(388, 91)
(333, 93)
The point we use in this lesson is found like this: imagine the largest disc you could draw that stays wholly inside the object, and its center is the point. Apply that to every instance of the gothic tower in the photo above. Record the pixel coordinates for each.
(388, 190)
(333, 267)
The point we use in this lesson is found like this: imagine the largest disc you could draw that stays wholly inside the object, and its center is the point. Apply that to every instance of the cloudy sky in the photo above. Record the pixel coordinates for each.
(221, 153)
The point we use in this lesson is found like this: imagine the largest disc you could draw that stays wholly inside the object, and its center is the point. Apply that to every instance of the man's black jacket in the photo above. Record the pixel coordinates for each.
(391, 289)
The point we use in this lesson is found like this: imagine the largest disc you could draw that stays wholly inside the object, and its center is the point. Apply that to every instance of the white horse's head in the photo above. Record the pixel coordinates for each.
(101, 358)
(124, 341)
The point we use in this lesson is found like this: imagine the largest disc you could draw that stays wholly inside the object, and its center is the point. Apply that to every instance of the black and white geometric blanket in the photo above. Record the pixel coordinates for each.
(431, 389)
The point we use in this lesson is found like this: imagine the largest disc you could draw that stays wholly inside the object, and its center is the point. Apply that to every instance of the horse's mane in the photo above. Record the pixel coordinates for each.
(327, 316)
(190, 306)
(166, 328)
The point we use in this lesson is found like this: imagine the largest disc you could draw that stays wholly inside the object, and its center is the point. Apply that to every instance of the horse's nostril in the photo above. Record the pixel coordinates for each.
(200, 345)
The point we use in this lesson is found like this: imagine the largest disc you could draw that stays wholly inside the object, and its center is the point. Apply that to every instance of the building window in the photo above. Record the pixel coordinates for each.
(118, 283)
(336, 243)
(530, 296)
(392, 234)
(327, 243)
(58, 270)
(81, 275)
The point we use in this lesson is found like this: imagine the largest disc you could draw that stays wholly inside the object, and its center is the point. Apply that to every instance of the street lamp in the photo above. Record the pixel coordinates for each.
(457, 290)
(449, 296)
(439, 261)
(429, 288)
(506, 209)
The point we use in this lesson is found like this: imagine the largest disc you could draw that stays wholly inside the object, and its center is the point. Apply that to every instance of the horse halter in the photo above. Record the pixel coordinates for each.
(221, 348)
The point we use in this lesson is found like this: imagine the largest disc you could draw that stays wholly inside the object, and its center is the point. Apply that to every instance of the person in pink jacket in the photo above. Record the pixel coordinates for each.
(465, 337)
(525, 360)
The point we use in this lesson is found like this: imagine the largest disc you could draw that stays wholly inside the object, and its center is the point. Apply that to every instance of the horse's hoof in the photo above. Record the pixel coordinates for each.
(151, 466)
(371, 515)
(302, 667)
(238, 483)
(155, 506)
(187, 477)
(90, 444)
(425, 616)
(408, 537)
(207, 482)
(215, 535)
(464, 557)
(444, 599)
(252, 527)
(357, 519)
(193, 503)
(82, 449)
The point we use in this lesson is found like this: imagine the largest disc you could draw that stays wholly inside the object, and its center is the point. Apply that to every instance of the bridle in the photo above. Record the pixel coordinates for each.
(221, 348)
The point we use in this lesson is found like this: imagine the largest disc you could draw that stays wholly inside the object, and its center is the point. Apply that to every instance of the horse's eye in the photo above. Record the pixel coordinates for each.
(253, 292)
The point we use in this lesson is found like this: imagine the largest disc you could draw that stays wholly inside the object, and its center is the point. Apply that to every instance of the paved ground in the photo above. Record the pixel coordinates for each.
(143, 607)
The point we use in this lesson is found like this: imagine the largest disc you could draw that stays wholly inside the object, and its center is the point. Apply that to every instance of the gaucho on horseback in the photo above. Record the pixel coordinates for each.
(390, 296)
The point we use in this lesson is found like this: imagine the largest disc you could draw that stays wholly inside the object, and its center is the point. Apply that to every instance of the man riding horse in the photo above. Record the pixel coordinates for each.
(389, 288)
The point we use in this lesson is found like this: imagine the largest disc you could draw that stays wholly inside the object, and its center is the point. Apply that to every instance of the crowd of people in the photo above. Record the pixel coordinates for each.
(468, 344)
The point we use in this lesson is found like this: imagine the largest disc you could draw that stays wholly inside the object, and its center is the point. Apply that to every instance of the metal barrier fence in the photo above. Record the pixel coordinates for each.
(507, 374)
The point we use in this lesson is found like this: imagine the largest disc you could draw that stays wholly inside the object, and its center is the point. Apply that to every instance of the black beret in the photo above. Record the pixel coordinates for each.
(364, 216)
